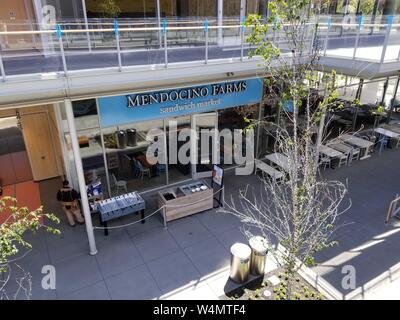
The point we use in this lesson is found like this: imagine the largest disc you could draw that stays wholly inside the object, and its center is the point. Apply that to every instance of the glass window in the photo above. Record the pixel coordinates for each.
(129, 166)
(233, 119)
(89, 138)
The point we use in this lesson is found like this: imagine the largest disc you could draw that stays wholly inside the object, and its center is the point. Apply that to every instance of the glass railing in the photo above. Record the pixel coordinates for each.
(28, 48)
(374, 39)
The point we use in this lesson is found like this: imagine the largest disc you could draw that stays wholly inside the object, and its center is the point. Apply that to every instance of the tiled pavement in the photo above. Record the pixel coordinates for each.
(143, 261)
(190, 260)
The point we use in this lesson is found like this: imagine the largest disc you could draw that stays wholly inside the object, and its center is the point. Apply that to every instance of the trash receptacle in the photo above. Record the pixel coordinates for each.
(259, 251)
(240, 262)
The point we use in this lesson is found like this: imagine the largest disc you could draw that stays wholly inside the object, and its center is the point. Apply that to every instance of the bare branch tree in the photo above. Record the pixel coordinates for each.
(301, 213)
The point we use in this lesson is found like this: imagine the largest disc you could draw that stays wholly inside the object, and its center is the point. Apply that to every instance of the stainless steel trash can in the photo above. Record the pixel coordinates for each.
(240, 262)
(121, 138)
(132, 139)
(259, 251)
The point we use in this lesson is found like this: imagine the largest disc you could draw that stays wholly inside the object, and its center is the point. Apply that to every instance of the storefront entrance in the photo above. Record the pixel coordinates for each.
(206, 143)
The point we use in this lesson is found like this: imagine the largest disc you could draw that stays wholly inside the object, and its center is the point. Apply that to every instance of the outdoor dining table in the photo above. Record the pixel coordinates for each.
(280, 160)
(330, 152)
(386, 133)
(391, 127)
(358, 142)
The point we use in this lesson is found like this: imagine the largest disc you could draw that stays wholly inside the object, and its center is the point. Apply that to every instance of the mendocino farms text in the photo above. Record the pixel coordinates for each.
(145, 99)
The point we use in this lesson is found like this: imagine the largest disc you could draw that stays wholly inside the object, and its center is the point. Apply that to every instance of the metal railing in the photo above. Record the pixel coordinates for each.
(76, 45)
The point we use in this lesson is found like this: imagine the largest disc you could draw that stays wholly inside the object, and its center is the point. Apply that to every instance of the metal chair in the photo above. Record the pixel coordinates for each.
(355, 154)
(142, 171)
(119, 184)
(325, 162)
(161, 168)
(342, 161)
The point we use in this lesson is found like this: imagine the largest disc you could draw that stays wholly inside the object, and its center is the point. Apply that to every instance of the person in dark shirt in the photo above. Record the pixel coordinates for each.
(69, 200)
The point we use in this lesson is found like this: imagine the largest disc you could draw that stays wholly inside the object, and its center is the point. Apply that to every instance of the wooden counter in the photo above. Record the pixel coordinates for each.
(180, 201)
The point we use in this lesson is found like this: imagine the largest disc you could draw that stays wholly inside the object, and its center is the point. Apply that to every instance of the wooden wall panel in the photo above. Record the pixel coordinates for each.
(41, 140)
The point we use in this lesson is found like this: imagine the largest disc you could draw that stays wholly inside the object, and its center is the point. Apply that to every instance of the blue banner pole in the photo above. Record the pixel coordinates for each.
(60, 42)
(206, 40)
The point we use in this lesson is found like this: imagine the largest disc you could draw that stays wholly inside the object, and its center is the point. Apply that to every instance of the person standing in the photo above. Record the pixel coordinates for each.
(69, 201)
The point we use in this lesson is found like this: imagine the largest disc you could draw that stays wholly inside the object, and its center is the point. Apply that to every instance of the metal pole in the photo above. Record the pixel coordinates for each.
(220, 21)
(393, 100)
(86, 24)
(360, 18)
(358, 96)
(116, 31)
(103, 146)
(206, 35)
(314, 36)
(385, 87)
(242, 40)
(81, 178)
(60, 42)
(242, 9)
(158, 8)
(3, 72)
(387, 36)
(327, 35)
(165, 43)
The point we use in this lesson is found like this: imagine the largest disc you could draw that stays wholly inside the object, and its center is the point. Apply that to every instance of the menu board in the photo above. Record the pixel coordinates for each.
(217, 175)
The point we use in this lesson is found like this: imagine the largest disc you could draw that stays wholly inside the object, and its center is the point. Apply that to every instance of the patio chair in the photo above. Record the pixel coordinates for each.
(161, 168)
(342, 161)
(142, 171)
(355, 154)
(134, 169)
(325, 162)
(119, 184)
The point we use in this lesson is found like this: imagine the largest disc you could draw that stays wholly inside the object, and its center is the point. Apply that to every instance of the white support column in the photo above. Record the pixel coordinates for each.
(220, 16)
(81, 178)
(86, 24)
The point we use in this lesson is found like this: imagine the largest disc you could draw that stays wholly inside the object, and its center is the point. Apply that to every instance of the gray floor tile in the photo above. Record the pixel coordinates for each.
(65, 250)
(76, 273)
(229, 237)
(134, 284)
(208, 256)
(117, 258)
(97, 291)
(173, 271)
(155, 243)
(154, 222)
(218, 222)
(188, 231)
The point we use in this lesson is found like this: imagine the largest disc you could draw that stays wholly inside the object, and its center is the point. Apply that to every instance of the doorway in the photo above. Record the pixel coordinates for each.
(14, 159)
(205, 144)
